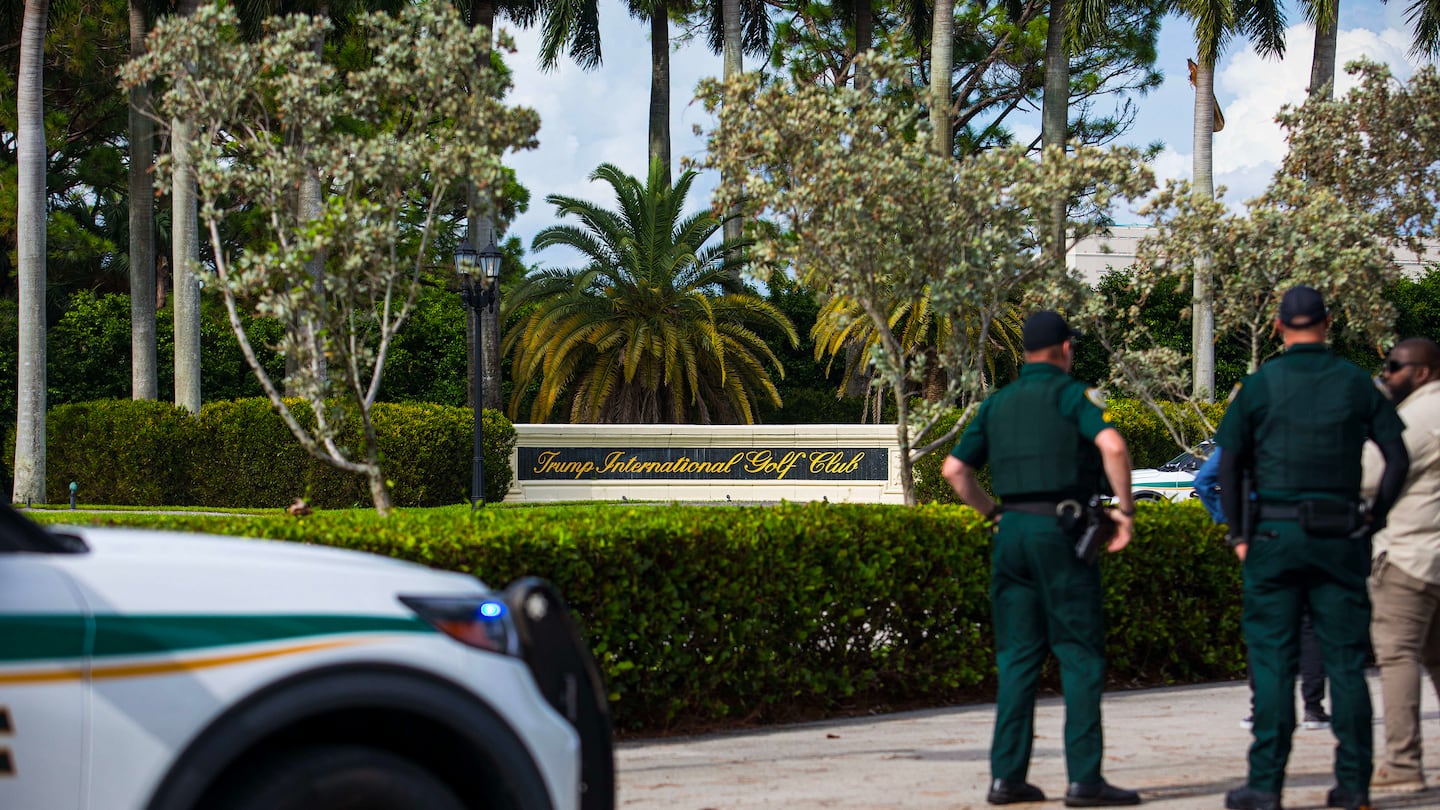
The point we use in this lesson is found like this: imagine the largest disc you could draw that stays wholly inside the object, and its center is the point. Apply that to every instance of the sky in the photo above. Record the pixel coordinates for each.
(589, 118)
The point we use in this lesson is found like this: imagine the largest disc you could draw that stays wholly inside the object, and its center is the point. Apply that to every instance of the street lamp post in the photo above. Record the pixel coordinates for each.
(482, 266)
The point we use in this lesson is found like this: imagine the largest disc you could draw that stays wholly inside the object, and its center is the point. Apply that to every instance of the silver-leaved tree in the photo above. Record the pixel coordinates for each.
(386, 141)
(861, 206)
(1295, 233)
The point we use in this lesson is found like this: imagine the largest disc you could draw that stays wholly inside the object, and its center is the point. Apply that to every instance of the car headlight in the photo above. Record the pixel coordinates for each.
(482, 622)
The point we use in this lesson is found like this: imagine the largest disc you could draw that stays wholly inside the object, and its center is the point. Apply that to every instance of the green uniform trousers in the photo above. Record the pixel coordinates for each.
(1044, 599)
(1285, 570)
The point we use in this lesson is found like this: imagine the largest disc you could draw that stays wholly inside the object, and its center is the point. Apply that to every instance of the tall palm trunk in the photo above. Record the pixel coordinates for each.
(864, 39)
(30, 246)
(1055, 115)
(1203, 306)
(942, 61)
(479, 228)
(1322, 65)
(660, 85)
(311, 200)
(734, 66)
(144, 377)
(858, 384)
(185, 258)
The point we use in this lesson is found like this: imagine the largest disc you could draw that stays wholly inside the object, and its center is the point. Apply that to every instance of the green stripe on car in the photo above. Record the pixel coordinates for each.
(28, 637)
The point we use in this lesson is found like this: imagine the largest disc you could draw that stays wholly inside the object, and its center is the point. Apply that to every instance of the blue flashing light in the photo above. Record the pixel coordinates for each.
(491, 610)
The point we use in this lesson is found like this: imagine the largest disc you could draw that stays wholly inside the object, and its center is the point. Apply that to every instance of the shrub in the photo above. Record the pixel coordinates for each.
(120, 451)
(760, 614)
(1149, 442)
(240, 454)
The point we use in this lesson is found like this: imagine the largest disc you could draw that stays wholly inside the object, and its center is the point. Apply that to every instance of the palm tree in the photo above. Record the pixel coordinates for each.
(1424, 16)
(184, 256)
(1215, 22)
(842, 323)
(1070, 24)
(1324, 14)
(654, 327)
(144, 376)
(658, 13)
(566, 25)
(942, 63)
(734, 28)
(30, 249)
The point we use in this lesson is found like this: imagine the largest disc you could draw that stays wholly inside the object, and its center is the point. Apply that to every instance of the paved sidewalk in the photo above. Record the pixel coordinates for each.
(1180, 747)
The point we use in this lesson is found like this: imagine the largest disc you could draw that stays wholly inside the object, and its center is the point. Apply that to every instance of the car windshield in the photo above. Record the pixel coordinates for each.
(1187, 461)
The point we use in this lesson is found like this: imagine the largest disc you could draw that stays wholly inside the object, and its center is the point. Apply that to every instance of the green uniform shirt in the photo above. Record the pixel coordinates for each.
(1038, 434)
(1302, 421)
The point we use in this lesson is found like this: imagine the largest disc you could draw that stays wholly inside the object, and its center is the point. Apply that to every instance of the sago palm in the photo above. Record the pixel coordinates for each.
(842, 323)
(654, 327)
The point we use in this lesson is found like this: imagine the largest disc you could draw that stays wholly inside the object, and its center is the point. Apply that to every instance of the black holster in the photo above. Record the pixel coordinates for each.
(1096, 532)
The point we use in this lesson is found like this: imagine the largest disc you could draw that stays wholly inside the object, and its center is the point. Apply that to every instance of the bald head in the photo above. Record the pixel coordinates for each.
(1419, 350)
(1412, 363)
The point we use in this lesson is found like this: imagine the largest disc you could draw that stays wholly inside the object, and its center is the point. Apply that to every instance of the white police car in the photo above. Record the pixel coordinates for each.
(143, 670)
(1173, 481)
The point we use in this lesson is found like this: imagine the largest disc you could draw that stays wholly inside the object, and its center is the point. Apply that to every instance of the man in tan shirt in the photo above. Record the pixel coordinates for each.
(1405, 576)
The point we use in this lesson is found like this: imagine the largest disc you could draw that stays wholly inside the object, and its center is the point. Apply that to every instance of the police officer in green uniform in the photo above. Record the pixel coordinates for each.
(1292, 440)
(1050, 446)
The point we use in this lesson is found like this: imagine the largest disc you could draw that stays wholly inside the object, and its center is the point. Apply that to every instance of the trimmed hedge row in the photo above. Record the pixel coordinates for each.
(1149, 442)
(760, 614)
(240, 454)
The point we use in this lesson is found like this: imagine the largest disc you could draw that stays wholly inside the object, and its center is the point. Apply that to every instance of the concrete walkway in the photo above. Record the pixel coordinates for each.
(1180, 747)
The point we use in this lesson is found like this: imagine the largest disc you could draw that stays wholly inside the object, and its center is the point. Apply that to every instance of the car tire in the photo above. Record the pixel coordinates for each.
(338, 777)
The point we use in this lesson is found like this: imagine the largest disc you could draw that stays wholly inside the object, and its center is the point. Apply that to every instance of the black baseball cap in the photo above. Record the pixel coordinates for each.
(1046, 328)
(1302, 306)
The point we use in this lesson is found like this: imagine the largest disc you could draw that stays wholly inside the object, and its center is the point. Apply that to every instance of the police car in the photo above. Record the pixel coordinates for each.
(1174, 480)
(144, 670)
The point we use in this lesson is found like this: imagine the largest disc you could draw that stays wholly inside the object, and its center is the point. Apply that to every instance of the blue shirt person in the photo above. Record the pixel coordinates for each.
(1207, 486)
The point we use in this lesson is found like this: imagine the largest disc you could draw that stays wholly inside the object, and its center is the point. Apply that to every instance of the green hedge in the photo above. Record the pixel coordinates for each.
(240, 454)
(704, 613)
(1149, 441)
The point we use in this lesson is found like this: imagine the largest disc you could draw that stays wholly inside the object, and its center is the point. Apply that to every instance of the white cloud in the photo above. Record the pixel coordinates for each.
(601, 116)
(1252, 89)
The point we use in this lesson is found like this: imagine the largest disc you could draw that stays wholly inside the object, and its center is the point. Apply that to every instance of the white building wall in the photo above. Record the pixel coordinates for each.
(1116, 247)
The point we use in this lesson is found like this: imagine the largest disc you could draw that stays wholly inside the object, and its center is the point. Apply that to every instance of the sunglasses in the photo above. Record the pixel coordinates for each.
(1392, 366)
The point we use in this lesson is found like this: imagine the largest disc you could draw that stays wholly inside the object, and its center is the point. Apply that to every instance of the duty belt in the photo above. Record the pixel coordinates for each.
(1046, 508)
(1279, 511)
(1286, 511)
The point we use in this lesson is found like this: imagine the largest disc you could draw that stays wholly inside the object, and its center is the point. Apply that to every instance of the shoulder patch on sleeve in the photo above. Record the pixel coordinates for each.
(1234, 392)
(1096, 397)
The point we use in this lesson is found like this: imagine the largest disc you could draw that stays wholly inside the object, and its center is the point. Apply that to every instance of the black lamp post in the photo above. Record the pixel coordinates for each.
(483, 266)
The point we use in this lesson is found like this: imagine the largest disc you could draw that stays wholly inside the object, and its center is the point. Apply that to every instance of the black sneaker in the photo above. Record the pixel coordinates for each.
(1315, 720)
(1006, 791)
(1099, 794)
(1248, 798)
(1347, 799)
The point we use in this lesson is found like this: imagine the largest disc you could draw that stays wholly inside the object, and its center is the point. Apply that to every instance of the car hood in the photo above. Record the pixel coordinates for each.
(1154, 477)
(143, 570)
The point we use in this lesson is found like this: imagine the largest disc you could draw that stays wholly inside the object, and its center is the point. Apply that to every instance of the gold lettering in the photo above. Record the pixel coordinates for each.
(822, 461)
(759, 461)
(831, 462)
(612, 462)
(542, 462)
(788, 463)
(549, 462)
(762, 462)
